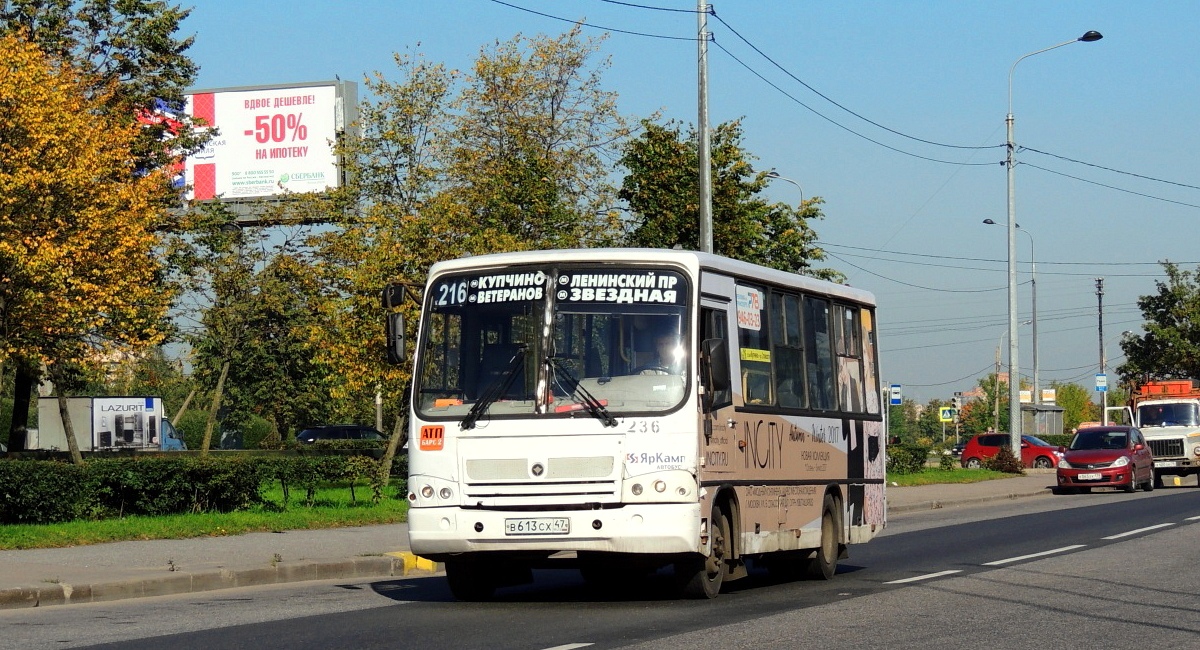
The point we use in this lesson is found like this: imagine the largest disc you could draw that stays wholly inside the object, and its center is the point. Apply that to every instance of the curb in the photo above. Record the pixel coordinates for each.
(400, 563)
(937, 504)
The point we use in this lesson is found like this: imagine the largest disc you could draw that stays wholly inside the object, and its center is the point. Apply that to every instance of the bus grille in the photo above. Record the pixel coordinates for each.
(1170, 448)
(512, 481)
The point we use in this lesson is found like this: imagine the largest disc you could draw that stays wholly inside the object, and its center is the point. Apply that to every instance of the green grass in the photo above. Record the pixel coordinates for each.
(934, 475)
(332, 508)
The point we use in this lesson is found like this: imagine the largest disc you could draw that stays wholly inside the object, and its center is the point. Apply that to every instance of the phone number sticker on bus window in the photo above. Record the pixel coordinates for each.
(621, 287)
(749, 308)
(491, 288)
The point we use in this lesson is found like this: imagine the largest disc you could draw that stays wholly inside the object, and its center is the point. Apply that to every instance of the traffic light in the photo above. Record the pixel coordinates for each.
(957, 401)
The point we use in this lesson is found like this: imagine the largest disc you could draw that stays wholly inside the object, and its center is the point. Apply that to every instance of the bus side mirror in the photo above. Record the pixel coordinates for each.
(716, 365)
(395, 339)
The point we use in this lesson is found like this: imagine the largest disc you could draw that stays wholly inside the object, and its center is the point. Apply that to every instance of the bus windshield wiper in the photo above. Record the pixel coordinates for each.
(581, 394)
(498, 387)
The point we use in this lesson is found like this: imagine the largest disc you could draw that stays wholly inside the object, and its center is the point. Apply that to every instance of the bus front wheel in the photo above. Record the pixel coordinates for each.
(470, 580)
(702, 577)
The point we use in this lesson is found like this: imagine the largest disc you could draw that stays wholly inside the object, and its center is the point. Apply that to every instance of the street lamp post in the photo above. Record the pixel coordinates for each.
(1037, 394)
(775, 175)
(1014, 388)
(996, 388)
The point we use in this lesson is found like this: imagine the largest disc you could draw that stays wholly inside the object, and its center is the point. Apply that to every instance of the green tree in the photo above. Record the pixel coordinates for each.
(1170, 347)
(129, 57)
(661, 190)
(1078, 404)
(903, 422)
(531, 140)
(929, 423)
(259, 300)
(507, 156)
(983, 413)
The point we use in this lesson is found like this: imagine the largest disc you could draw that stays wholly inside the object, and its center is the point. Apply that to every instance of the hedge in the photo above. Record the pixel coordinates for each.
(49, 491)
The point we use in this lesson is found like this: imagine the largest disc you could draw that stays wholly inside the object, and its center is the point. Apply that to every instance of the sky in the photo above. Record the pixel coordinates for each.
(893, 113)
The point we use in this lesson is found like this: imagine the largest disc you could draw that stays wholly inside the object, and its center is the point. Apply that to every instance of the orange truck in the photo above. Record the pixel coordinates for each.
(1168, 414)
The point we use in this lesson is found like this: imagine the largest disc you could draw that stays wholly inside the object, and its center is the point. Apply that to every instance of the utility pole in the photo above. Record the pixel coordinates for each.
(1100, 329)
(702, 133)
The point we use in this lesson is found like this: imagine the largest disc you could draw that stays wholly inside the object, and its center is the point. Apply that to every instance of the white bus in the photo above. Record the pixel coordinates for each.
(637, 410)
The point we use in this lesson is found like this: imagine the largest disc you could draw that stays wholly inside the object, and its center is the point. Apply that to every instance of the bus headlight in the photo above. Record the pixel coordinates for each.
(430, 491)
(666, 486)
(1196, 451)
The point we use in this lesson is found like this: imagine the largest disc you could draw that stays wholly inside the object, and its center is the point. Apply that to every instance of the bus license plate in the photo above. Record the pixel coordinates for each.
(537, 526)
(1166, 463)
(1089, 477)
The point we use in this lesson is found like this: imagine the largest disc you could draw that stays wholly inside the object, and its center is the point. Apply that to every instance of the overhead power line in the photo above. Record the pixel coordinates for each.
(831, 101)
(834, 122)
(1110, 169)
(810, 88)
(997, 261)
(637, 6)
(593, 26)
(1113, 187)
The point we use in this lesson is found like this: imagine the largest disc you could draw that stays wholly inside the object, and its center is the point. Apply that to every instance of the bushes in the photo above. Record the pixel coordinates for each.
(38, 491)
(906, 459)
(169, 485)
(1004, 461)
(1059, 440)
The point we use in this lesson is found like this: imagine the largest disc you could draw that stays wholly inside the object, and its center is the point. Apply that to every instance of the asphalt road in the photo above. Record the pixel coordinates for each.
(1096, 571)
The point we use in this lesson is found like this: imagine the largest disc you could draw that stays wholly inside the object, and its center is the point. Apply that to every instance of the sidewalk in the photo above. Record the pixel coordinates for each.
(1036, 482)
(84, 574)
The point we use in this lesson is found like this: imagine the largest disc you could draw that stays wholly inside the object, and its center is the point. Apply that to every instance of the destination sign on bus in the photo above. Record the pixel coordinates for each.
(628, 286)
(490, 288)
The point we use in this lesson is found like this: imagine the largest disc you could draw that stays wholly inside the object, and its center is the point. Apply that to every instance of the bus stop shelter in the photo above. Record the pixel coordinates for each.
(1041, 419)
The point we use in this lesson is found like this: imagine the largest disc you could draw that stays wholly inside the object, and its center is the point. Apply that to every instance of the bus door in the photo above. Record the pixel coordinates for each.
(718, 446)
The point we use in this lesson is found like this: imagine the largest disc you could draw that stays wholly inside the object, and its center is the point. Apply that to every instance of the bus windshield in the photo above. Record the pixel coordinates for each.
(554, 342)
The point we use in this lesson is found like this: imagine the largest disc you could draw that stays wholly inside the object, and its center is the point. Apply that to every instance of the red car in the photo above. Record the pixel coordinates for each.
(1114, 456)
(1035, 452)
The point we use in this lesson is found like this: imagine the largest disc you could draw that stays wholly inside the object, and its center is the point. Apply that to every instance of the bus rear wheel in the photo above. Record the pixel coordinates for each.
(702, 577)
(824, 564)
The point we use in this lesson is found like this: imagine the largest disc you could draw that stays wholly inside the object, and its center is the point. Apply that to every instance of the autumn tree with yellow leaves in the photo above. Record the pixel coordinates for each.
(513, 154)
(79, 277)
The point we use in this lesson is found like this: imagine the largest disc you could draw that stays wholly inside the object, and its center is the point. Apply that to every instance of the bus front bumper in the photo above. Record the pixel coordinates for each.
(657, 528)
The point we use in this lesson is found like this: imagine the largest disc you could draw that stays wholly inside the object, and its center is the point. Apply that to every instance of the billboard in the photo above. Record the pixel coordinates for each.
(273, 140)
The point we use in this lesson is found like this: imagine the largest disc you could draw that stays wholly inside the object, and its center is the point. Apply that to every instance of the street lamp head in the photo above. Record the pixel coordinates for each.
(1091, 36)
(989, 222)
(776, 176)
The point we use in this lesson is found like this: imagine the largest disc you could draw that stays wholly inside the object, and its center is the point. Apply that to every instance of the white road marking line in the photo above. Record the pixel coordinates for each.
(570, 646)
(924, 577)
(1140, 530)
(1192, 518)
(1033, 555)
